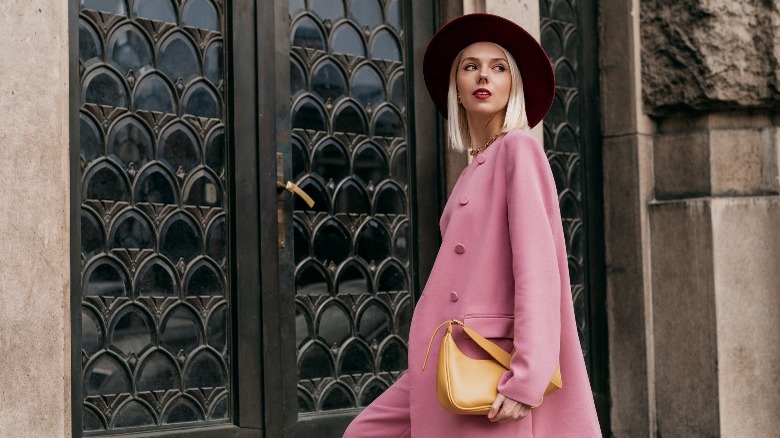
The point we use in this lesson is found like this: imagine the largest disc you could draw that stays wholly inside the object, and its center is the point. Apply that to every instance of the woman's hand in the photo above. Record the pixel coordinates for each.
(504, 410)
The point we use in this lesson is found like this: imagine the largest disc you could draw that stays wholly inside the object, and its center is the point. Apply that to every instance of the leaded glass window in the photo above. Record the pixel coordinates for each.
(353, 303)
(155, 303)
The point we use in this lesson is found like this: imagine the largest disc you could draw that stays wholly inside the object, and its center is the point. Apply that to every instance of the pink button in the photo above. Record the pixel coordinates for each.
(480, 158)
(453, 296)
(464, 199)
(460, 249)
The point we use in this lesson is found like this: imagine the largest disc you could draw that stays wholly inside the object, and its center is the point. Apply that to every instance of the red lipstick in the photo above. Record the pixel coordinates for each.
(482, 93)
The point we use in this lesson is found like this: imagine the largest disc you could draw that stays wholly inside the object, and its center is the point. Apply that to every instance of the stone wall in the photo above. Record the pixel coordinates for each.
(34, 226)
(709, 55)
(709, 78)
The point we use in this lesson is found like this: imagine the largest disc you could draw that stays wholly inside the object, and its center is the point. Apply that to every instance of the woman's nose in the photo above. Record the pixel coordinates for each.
(482, 78)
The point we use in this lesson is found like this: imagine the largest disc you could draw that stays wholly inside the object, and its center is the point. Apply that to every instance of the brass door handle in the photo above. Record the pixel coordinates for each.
(294, 188)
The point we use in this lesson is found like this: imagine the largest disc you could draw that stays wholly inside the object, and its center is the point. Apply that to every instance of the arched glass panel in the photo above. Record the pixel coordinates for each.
(370, 164)
(298, 81)
(201, 101)
(106, 375)
(367, 86)
(212, 63)
(179, 148)
(394, 14)
(366, 13)
(306, 33)
(129, 141)
(92, 335)
(330, 161)
(156, 279)
(215, 151)
(133, 414)
(161, 10)
(154, 94)
(132, 230)
(104, 87)
(388, 123)
(350, 118)
(105, 182)
(331, 242)
(129, 49)
(90, 46)
(385, 46)
(156, 186)
(328, 81)
(180, 239)
(180, 330)
(200, 14)
(131, 333)
(178, 58)
(327, 9)
(91, 138)
(307, 114)
(347, 40)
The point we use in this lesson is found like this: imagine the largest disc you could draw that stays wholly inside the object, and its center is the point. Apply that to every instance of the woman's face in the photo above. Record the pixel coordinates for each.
(483, 79)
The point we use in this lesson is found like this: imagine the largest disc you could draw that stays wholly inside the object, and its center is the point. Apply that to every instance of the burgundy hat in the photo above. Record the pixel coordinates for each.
(535, 68)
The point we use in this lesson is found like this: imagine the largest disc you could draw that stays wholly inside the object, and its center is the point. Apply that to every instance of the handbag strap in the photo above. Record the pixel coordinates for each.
(491, 348)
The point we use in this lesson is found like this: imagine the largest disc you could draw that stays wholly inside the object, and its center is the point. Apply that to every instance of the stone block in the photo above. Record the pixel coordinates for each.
(709, 55)
(684, 319)
(746, 256)
(744, 161)
(682, 164)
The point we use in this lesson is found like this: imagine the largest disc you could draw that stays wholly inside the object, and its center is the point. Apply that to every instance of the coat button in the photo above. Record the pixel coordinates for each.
(480, 159)
(460, 249)
(464, 199)
(453, 296)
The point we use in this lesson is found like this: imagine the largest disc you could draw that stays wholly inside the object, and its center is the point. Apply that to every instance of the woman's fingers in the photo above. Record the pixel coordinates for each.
(494, 408)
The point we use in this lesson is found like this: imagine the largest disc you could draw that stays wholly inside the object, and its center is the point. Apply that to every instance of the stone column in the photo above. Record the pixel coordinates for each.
(709, 72)
(628, 187)
(35, 384)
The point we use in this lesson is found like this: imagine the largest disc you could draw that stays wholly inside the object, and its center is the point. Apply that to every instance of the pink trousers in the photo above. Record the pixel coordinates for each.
(385, 417)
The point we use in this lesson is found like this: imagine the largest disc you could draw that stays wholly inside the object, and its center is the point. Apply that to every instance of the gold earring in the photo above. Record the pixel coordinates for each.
(459, 101)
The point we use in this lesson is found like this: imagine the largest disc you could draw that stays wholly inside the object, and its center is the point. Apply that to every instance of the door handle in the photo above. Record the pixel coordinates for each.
(294, 188)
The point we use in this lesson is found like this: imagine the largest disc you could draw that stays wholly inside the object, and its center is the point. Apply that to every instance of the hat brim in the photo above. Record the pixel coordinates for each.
(535, 67)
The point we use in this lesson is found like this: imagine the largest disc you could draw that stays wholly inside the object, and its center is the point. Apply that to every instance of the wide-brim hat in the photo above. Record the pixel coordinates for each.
(535, 67)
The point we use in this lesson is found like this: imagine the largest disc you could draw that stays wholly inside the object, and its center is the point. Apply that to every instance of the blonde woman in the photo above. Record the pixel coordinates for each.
(502, 266)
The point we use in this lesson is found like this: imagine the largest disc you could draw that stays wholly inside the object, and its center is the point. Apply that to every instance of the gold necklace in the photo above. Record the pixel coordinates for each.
(489, 142)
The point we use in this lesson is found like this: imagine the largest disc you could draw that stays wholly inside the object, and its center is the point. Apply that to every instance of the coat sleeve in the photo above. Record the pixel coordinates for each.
(532, 202)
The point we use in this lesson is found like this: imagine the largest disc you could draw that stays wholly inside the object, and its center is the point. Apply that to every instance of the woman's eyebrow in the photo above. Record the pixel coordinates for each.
(473, 58)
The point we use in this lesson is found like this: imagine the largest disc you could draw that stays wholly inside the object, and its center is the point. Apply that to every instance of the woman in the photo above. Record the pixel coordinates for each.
(502, 266)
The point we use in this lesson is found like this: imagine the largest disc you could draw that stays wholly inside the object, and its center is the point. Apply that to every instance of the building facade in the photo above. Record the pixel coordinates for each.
(163, 278)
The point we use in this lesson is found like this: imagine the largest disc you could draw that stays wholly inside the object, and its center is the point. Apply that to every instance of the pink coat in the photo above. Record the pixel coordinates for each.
(502, 269)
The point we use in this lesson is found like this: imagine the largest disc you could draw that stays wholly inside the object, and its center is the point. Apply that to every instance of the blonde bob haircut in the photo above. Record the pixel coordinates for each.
(457, 125)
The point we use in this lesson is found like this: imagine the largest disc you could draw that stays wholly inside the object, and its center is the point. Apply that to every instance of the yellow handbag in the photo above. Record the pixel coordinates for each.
(469, 386)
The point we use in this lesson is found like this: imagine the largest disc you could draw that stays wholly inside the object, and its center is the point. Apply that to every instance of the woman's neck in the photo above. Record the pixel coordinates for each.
(482, 129)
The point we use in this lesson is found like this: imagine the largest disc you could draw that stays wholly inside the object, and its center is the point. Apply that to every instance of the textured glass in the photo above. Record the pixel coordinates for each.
(178, 58)
(103, 87)
(154, 94)
(349, 153)
(156, 345)
(129, 49)
(212, 63)
(200, 14)
(90, 46)
(347, 40)
(366, 13)
(367, 87)
(161, 10)
(385, 46)
(328, 81)
(306, 33)
(327, 9)
(201, 101)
